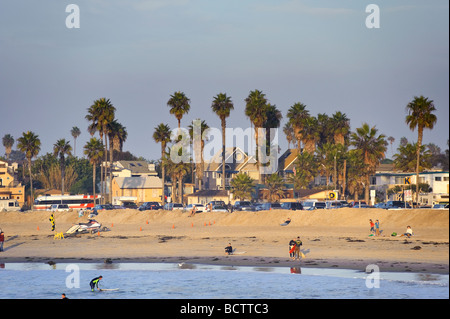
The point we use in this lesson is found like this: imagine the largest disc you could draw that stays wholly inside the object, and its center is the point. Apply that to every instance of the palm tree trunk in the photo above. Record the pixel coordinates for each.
(419, 145)
(31, 184)
(367, 189)
(223, 155)
(163, 174)
(344, 179)
(93, 181)
(111, 154)
(106, 169)
(258, 155)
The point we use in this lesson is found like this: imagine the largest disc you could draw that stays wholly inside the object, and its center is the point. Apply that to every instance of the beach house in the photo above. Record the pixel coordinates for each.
(10, 188)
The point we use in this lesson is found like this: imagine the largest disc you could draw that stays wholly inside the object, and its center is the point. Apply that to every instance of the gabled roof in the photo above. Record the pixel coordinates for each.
(134, 166)
(234, 156)
(286, 161)
(138, 182)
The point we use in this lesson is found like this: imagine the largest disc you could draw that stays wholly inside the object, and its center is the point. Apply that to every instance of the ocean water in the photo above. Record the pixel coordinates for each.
(194, 281)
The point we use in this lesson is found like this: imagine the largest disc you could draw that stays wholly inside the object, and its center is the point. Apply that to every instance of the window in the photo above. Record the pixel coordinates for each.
(445, 178)
(438, 179)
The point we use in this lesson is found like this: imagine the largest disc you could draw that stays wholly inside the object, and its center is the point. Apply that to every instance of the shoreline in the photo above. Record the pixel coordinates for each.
(239, 261)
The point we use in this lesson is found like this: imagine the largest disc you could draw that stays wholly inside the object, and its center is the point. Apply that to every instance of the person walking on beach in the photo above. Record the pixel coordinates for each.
(2, 239)
(377, 228)
(298, 243)
(94, 283)
(372, 227)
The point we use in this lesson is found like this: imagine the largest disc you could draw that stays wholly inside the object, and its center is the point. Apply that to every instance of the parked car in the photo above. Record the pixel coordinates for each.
(9, 205)
(309, 205)
(320, 205)
(396, 204)
(59, 208)
(150, 206)
(219, 208)
(357, 205)
(439, 206)
(361, 202)
(244, 206)
(103, 207)
(292, 206)
(129, 205)
(335, 204)
(267, 206)
(200, 208)
(172, 206)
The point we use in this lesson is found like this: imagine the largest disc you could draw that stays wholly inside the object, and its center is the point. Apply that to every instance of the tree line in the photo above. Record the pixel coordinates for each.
(326, 146)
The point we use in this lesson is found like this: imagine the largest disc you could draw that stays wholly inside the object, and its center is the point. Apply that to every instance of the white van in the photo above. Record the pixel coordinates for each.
(9, 205)
(59, 208)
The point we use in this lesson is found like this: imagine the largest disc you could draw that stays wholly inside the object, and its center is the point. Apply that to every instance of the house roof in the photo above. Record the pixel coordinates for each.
(138, 182)
(134, 166)
(234, 156)
(286, 161)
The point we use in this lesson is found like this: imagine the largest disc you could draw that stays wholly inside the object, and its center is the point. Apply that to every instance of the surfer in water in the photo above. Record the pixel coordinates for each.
(94, 283)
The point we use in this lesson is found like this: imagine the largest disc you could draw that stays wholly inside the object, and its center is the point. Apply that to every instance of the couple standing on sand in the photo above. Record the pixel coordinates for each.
(374, 227)
(294, 248)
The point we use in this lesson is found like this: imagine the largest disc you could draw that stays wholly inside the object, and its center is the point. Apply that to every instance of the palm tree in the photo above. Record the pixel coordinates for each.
(198, 149)
(162, 135)
(306, 167)
(275, 186)
(242, 186)
(100, 114)
(75, 132)
(405, 159)
(179, 105)
(391, 141)
(8, 142)
(373, 150)
(340, 126)
(355, 180)
(61, 148)
(117, 135)
(222, 106)
(420, 115)
(256, 111)
(288, 131)
(30, 144)
(296, 115)
(94, 151)
(311, 134)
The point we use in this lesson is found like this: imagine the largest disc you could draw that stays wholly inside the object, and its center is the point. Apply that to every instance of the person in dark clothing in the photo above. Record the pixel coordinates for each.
(229, 249)
(2, 239)
(94, 283)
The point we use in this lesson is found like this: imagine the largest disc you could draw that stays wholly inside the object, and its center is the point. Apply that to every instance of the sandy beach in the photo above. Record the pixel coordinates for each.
(331, 238)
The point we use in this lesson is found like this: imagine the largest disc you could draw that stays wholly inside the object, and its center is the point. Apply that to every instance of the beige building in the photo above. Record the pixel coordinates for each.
(9, 187)
(138, 189)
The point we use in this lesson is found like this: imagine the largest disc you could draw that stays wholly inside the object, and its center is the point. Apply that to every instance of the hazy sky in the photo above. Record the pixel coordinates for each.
(138, 53)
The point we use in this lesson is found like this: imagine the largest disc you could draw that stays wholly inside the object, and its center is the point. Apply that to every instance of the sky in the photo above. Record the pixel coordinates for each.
(138, 53)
